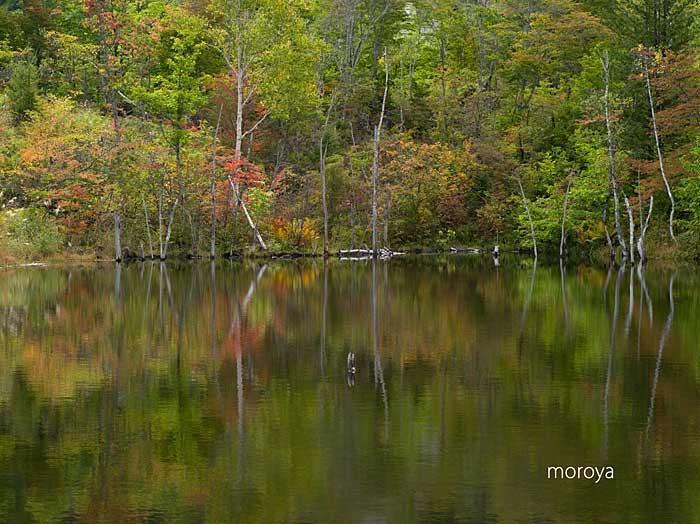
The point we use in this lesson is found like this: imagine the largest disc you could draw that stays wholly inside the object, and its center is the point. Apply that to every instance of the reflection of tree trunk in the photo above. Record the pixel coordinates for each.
(118, 286)
(323, 319)
(378, 371)
(148, 297)
(657, 370)
(160, 294)
(641, 312)
(643, 282)
(563, 296)
(526, 306)
(234, 330)
(630, 307)
(213, 320)
(611, 347)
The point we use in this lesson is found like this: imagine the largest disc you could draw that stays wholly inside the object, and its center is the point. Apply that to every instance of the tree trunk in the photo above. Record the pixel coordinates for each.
(387, 203)
(643, 232)
(608, 240)
(658, 152)
(161, 254)
(148, 227)
(164, 249)
(352, 223)
(239, 199)
(563, 220)
(117, 238)
(529, 217)
(618, 228)
(630, 215)
(212, 246)
(375, 176)
(324, 196)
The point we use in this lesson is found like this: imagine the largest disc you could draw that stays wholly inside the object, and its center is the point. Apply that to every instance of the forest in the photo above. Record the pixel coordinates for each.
(210, 128)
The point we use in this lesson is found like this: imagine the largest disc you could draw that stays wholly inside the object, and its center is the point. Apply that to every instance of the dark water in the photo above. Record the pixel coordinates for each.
(198, 394)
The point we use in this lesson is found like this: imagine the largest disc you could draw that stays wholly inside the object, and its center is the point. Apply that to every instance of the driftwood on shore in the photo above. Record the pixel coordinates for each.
(362, 254)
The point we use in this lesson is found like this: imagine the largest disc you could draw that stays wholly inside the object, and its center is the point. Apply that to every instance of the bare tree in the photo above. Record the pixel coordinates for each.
(375, 160)
(322, 150)
(605, 62)
(148, 226)
(563, 217)
(643, 232)
(529, 217)
(117, 238)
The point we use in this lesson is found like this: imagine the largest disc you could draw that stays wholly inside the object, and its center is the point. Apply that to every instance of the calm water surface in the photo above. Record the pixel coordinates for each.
(199, 393)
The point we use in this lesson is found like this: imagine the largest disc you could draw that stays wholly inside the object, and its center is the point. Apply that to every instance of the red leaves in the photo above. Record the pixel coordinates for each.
(243, 172)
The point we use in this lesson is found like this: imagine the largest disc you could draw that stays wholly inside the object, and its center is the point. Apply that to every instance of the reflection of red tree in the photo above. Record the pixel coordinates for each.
(243, 339)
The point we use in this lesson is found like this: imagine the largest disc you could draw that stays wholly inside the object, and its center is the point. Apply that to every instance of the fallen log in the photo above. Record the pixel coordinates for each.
(465, 249)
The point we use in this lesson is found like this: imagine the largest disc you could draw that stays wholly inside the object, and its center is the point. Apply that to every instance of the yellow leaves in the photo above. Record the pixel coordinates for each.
(297, 232)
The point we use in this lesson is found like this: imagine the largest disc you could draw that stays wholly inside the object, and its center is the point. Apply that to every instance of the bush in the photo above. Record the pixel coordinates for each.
(29, 233)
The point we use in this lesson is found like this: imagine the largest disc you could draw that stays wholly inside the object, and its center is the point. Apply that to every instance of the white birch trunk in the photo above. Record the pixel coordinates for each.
(563, 220)
(605, 62)
(375, 158)
(212, 247)
(148, 227)
(658, 152)
(529, 217)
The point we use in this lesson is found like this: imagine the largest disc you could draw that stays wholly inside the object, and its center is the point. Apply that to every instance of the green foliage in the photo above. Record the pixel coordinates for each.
(28, 233)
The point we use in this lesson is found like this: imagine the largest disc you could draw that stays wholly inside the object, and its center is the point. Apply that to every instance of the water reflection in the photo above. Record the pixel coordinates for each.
(219, 392)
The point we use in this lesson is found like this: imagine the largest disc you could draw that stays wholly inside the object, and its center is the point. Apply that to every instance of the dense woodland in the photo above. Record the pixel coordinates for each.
(220, 127)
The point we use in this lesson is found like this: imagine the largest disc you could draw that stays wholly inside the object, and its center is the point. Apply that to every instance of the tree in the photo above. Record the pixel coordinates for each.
(173, 94)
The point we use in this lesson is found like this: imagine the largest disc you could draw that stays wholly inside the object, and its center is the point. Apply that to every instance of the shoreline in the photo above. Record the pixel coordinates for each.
(68, 259)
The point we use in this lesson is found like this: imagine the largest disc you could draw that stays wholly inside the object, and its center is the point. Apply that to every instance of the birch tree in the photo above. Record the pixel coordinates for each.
(657, 142)
(270, 57)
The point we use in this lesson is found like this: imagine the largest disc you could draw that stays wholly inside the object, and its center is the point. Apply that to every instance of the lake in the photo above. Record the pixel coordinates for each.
(220, 393)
